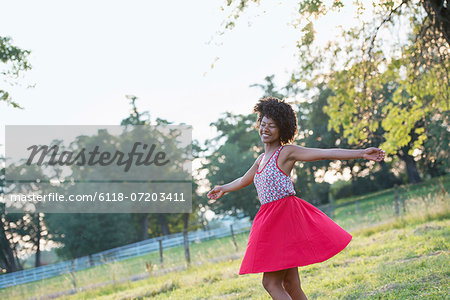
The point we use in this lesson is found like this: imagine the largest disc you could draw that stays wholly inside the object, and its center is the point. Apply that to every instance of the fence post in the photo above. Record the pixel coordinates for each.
(74, 283)
(331, 207)
(403, 204)
(396, 204)
(186, 247)
(233, 237)
(91, 261)
(160, 251)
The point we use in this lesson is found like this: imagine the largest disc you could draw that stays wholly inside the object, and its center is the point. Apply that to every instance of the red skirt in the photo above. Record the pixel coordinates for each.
(288, 233)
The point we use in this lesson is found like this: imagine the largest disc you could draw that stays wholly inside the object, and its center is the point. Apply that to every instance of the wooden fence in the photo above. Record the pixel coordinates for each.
(121, 253)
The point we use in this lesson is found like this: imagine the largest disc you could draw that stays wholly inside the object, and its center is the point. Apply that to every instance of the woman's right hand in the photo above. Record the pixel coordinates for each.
(216, 192)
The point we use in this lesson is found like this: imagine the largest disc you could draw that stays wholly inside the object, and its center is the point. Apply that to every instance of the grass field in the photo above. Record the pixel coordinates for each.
(400, 258)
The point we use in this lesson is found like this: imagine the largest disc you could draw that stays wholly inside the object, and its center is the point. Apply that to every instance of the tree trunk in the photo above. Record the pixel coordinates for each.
(411, 167)
(16, 257)
(37, 261)
(186, 221)
(162, 220)
(439, 16)
(6, 251)
(351, 164)
(144, 227)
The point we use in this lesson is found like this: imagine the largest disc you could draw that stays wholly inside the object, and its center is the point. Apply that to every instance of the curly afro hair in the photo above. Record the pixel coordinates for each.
(281, 113)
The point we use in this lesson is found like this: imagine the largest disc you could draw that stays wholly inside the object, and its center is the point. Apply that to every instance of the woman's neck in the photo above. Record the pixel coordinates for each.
(272, 147)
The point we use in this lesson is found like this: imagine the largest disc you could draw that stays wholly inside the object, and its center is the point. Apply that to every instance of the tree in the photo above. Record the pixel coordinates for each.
(233, 152)
(437, 11)
(439, 15)
(9, 259)
(313, 132)
(360, 65)
(21, 233)
(15, 61)
(159, 223)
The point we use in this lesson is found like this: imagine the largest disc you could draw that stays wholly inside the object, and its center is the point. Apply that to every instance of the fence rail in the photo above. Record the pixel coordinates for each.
(117, 254)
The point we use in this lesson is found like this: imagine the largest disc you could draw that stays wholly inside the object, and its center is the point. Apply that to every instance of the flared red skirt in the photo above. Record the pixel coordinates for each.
(291, 232)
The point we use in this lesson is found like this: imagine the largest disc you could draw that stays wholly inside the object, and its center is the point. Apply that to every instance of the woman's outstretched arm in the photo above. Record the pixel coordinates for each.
(237, 184)
(299, 153)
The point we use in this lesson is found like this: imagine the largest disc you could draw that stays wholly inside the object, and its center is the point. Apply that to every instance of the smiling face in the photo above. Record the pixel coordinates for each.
(269, 131)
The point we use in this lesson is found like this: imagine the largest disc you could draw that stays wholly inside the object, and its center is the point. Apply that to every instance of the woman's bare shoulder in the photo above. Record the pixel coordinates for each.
(259, 157)
(289, 148)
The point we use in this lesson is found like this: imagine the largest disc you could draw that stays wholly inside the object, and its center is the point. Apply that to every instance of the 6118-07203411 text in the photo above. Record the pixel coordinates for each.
(102, 197)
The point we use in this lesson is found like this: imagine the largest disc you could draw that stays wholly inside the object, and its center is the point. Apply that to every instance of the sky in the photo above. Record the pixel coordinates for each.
(86, 56)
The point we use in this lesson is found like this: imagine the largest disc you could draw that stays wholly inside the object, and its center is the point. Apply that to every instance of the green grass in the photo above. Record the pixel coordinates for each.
(398, 258)
(173, 257)
(407, 190)
(403, 259)
(379, 206)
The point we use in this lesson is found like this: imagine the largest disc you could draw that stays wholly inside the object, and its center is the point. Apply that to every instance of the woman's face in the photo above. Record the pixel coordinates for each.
(269, 131)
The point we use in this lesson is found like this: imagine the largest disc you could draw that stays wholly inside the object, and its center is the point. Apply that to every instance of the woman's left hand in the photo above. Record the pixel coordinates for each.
(373, 153)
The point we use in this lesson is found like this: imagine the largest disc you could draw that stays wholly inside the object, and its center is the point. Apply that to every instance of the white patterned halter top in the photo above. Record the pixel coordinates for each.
(271, 183)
